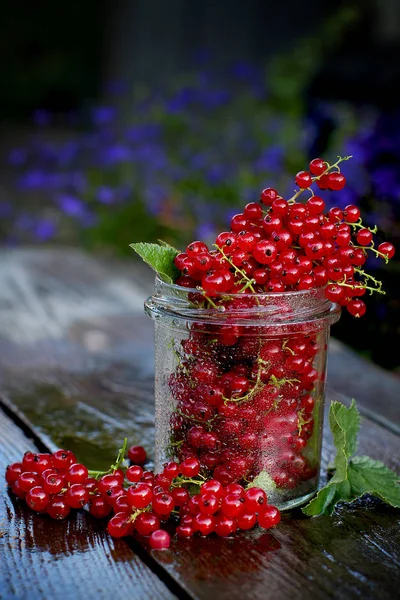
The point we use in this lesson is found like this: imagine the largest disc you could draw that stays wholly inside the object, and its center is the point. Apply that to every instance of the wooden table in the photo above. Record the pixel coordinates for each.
(76, 371)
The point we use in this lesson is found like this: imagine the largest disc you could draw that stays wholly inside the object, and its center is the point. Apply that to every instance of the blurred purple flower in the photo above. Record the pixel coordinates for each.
(384, 180)
(180, 100)
(245, 71)
(41, 117)
(32, 179)
(206, 232)
(116, 87)
(154, 197)
(143, 132)
(115, 154)
(44, 229)
(202, 56)
(272, 159)
(71, 205)
(17, 157)
(215, 174)
(105, 194)
(103, 115)
(6, 209)
(215, 98)
(24, 222)
(67, 152)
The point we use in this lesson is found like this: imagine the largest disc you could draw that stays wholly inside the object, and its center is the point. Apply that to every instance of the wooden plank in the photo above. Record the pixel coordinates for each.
(45, 559)
(88, 383)
(354, 553)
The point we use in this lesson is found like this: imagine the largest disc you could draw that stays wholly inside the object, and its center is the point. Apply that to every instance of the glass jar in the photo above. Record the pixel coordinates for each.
(240, 384)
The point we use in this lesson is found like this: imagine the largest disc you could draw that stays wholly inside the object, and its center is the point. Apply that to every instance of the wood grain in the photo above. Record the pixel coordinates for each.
(45, 559)
(86, 381)
(359, 548)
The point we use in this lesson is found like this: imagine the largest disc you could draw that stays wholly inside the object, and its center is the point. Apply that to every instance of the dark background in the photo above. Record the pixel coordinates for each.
(61, 57)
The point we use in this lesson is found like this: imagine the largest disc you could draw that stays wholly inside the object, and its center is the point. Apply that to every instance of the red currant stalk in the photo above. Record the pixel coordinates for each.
(119, 462)
(248, 283)
(304, 179)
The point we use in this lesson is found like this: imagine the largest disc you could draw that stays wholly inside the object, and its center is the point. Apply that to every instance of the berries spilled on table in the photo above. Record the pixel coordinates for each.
(138, 501)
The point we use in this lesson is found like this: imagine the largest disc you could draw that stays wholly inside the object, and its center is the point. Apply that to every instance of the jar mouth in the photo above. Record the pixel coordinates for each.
(249, 310)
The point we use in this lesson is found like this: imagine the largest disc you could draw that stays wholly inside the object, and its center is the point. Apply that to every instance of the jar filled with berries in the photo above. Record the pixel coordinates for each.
(242, 331)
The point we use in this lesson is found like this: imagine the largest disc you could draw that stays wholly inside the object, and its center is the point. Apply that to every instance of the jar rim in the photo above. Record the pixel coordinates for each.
(287, 294)
(172, 302)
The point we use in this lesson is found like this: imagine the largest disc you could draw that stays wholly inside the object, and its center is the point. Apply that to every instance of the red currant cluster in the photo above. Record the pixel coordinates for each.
(252, 411)
(136, 500)
(282, 245)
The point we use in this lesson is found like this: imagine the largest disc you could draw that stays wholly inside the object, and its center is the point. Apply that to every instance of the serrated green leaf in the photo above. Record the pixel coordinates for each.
(369, 476)
(353, 477)
(159, 257)
(345, 424)
(263, 481)
(325, 501)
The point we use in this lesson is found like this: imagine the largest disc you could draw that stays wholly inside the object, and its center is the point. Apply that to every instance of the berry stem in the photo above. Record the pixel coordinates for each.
(249, 282)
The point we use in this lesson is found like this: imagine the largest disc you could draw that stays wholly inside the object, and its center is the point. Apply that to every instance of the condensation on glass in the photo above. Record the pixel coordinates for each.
(240, 384)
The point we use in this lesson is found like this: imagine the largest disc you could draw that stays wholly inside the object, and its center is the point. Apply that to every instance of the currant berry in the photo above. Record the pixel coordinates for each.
(77, 473)
(53, 483)
(190, 467)
(364, 237)
(351, 213)
(185, 530)
(208, 503)
(268, 195)
(317, 166)
(204, 524)
(13, 471)
(224, 525)
(159, 540)
(163, 504)
(137, 455)
(134, 473)
(37, 498)
(98, 507)
(232, 505)
(303, 179)
(140, 496)
(269, 517)
(119, 525)
(63, 459)
(246, 521)
(57, 508)
(77, 495)
(336, 181)
(356, 307)
(28, 480)
(256, 499)
(146, 523)
(387, 249)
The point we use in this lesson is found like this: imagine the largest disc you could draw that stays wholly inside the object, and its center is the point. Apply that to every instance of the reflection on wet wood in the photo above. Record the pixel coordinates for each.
(85, 381)
(45, 559)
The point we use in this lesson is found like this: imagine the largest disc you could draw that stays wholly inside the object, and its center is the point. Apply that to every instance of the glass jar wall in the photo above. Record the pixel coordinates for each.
(240, 384)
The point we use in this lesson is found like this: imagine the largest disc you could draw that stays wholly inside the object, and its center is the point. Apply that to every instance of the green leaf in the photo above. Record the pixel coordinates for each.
(159, 257)
(345, 424)
(369, 476)
(263, 481)
(356, 476)
(325, 501)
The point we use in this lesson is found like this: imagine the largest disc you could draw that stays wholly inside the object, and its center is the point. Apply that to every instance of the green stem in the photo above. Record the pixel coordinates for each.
(118, 462)
(328, 168)
(249, 282)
